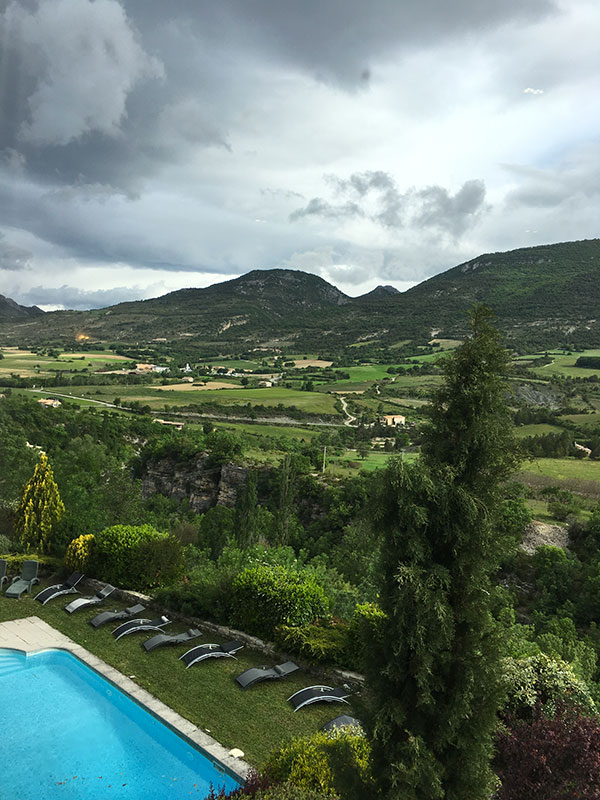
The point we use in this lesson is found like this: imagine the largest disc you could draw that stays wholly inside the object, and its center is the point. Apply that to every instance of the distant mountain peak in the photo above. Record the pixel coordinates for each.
(381, 292)
(10, 310)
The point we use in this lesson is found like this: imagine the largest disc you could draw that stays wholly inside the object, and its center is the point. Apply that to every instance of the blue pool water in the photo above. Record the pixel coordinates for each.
(68, 733)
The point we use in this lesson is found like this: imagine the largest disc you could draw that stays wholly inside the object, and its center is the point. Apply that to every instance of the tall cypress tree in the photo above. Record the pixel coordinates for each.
(434, 670)
(40, 508)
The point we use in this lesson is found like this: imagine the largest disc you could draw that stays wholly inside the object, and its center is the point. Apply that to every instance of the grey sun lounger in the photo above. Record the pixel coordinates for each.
(138, 625)
(317, 694)
(164, 639)
(86, 602)
(68, 587)
(343, 721)
(25, 581)
(257, 674)
(115, 616)
(3, 575)
(204, 651)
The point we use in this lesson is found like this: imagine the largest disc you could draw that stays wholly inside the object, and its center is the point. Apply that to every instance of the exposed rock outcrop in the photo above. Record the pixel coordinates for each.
(197, 481)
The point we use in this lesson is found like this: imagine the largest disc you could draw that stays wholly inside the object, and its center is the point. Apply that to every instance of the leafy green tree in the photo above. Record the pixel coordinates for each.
(435, 672)
(40, 508)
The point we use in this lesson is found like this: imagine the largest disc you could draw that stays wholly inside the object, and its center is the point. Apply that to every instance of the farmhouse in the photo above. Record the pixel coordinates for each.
(392, 420)
(49, 402)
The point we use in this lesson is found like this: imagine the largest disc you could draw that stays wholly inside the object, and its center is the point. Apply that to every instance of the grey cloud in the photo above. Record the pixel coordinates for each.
(75, 299)
(13, 258)
(320, 208)
(86, 59)
(451, 213)
(339, 41)
(432, 207)
(576, 178)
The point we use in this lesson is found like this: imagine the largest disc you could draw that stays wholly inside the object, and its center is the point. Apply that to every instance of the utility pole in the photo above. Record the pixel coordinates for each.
(324, 455)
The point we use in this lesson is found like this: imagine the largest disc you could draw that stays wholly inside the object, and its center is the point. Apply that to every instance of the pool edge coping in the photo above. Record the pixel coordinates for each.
(40, 636)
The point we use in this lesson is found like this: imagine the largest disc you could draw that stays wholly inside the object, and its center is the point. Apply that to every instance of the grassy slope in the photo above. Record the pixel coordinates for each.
(255, 721)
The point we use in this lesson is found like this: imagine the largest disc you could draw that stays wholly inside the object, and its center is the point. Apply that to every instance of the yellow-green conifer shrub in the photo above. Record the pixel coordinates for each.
(40, 508)
(79, 553)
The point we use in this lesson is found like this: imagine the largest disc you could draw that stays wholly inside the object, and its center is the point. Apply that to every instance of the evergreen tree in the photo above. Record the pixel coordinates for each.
(434, 670)
(285, 519)
(246, 512)
(40, 508)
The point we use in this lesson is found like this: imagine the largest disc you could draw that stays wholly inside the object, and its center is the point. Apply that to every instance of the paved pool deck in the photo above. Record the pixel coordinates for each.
(32, 634)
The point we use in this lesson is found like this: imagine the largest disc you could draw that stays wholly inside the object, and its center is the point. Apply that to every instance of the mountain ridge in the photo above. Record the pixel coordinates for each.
(545, 294)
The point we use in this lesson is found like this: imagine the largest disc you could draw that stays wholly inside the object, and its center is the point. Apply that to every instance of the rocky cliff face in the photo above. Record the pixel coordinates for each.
(202, 485)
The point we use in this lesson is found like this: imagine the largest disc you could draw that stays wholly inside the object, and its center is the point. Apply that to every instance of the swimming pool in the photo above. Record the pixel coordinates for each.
(68, 733)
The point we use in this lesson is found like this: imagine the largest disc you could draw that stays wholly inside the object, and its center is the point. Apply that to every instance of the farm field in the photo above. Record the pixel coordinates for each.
(375, 459)
(153, 396)
(259, 430)
(28, 364)
(578, 475)
(563, 364)
(583, 419)
(539, 429)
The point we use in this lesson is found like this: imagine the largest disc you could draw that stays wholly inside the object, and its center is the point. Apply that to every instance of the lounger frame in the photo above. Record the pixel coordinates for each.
(327, 694)
(85, 602)
(203, 651)
(170, 639)
(104, 617)
(137, 625)
(68, 587)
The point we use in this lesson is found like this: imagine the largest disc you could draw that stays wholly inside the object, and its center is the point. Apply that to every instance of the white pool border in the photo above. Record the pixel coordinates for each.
(32, 634)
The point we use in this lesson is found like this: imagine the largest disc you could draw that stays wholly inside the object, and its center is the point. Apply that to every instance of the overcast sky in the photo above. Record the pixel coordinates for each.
(147, 146)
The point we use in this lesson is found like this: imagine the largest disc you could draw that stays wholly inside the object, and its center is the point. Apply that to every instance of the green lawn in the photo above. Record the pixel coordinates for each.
(255, 721)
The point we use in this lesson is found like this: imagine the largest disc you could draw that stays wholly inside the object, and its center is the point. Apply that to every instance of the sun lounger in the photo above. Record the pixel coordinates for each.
(317, 694)
(343, 721)
(3, 575)
(115, 616)
(257, 674)
(25, 581)
(138, 625)
(68, 587)
(204, 651)
(86, 602)
(165, 639)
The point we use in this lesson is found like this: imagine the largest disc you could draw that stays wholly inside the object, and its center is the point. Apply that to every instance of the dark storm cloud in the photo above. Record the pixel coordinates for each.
(13, 258)
(84, 102)
(337, 40)
(432, 207)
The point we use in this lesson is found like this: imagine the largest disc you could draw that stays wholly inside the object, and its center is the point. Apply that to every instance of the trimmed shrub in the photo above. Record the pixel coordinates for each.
(79, 553)
(323, 643)
(336, 763)
(264, 597)
(136, 556)
(6, 545)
